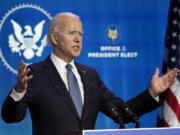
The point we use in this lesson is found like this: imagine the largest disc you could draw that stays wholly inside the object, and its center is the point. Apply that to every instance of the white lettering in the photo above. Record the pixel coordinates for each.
(128, 54)
(110, 48)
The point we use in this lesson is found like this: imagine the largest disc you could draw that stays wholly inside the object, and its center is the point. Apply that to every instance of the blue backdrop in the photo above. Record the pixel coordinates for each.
(123, 41)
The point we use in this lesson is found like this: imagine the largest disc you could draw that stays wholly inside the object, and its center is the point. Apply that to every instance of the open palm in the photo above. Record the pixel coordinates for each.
(160, 84)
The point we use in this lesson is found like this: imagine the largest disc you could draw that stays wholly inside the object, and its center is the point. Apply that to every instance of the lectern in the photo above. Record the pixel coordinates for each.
(137, 131)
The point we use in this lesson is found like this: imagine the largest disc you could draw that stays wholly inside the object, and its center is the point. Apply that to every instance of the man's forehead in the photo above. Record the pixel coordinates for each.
(67, 14)
(66, 17)
(69, 22)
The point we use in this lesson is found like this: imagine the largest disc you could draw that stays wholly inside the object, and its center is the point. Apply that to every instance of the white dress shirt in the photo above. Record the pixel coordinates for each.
(61, 68)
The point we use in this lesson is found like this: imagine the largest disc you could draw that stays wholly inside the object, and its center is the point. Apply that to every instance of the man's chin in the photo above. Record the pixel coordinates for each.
(76, 55)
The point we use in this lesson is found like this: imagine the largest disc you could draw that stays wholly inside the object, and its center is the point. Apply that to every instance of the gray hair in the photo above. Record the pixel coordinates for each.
(56, 22)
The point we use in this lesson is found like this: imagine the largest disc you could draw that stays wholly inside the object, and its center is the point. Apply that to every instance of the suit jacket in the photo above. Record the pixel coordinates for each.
(51, 107)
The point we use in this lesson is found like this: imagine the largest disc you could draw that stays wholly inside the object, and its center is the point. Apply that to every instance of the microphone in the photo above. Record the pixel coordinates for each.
(114, 114)
(129, 115)
(133, 117)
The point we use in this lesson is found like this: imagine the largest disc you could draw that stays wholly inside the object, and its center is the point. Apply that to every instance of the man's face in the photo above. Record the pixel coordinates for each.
(69, 39)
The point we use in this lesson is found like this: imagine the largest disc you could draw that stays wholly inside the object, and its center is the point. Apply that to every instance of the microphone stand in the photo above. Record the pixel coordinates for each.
(121, 123)
(137, 124)
(129, 116)
(121, 126)
(120, 119)
(133, 117)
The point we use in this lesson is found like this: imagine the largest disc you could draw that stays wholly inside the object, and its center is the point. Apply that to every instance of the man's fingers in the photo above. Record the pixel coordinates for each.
(22, 67)
(171, 76)
(173, 73)
(23, 77)
(23, 74)
(176, 71)
(29, 77)
(26, 79)
(156, 74)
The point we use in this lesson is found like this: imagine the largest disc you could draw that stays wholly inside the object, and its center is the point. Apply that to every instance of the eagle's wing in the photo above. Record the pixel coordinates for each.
(38, 31)
(12, 42)
(17, 31)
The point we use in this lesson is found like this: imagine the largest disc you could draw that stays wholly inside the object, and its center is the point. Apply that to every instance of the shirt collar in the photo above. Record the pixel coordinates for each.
(61, 63)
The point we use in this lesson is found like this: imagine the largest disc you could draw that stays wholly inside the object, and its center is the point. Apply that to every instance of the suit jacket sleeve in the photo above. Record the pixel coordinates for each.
(141, 104)
(15, 111)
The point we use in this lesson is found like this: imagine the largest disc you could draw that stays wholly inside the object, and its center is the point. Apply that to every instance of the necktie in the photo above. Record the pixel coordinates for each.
(74, 89)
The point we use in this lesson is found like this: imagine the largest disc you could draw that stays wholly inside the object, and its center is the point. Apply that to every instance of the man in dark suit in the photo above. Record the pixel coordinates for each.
(47, 87)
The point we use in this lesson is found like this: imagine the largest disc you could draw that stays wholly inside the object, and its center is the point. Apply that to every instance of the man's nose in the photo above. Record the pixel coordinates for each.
(77, 38)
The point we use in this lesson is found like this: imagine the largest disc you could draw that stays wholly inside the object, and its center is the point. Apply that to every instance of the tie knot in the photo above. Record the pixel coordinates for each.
(68, 66)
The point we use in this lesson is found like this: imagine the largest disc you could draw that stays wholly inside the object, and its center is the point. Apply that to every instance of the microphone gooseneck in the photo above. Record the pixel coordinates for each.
(133, 117)
(122, 114)
(115, 114)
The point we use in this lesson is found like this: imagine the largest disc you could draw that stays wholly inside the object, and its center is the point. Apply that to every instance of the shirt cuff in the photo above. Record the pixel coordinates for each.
(17, 96)
(155, 98)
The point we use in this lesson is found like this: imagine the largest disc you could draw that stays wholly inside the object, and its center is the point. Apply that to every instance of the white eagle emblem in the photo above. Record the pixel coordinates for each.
(27, 41)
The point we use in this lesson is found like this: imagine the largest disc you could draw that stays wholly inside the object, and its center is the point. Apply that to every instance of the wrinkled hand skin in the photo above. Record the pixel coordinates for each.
(161, 84)
(22, 77)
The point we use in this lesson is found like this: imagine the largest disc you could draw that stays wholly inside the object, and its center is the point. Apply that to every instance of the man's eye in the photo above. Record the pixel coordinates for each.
(74, 32)
(71, 32)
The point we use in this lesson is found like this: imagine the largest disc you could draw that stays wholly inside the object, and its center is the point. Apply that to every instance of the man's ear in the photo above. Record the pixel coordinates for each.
(54, 39)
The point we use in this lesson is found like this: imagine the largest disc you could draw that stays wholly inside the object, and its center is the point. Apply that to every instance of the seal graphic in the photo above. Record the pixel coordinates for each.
(112, 34)
(22, 32)
(27, 40)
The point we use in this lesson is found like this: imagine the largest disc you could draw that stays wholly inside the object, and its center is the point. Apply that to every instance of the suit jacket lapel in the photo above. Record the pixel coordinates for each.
(58, 84)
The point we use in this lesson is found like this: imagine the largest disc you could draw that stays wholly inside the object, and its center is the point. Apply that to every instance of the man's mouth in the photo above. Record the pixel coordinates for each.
(76, 47)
